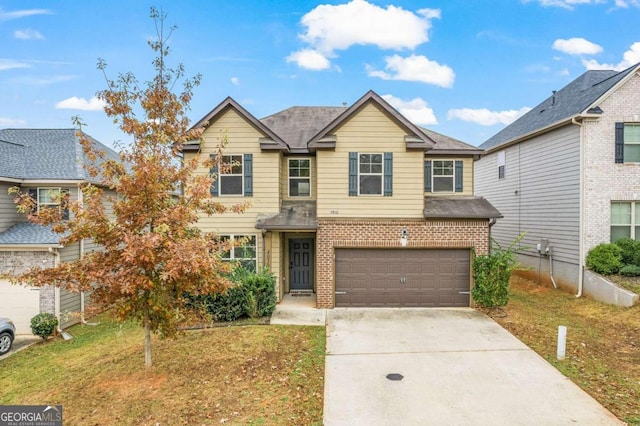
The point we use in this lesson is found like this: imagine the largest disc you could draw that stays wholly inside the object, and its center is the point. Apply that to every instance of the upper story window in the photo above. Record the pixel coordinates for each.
(501, 164)
(243, 252)
(233, 175)
(443, 176)
(627, 139)
(625, 220)
(370, 174)
(299, 177)
(50, 198)
(370, 168)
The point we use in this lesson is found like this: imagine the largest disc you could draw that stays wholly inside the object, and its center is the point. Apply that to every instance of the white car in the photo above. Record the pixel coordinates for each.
(7, 333)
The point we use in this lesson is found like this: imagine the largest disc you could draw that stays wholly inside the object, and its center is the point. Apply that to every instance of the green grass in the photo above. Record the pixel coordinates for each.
(250, 374)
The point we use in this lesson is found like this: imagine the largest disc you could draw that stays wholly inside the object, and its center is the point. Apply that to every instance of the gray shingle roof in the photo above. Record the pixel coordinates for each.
(293, 215)
(29, 234)
(297, 125)
(52, 154)
(448, 144)
(459, 207)
(571, 100)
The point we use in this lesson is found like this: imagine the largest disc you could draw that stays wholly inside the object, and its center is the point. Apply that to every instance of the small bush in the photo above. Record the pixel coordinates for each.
(43, 325)
(228, 306)
(491, 274)
(630, 271)
(630, 251)
(605, 259)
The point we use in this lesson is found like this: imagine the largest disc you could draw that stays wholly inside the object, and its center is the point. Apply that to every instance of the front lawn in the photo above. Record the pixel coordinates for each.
(603, 341)
(252, 374)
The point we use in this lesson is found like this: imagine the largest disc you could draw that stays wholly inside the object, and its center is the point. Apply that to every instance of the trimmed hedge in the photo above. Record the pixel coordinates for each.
(43, 325)
(605, 259)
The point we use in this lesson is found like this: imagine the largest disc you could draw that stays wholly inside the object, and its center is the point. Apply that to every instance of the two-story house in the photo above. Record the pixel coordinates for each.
(355, 204)
(47, 163)
(568, 173)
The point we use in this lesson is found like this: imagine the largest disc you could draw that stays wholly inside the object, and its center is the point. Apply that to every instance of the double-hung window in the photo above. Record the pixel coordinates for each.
(370, 173)
(625, 220)
(299, 177)
(243, 250)
(50, 198)
(627, 143)
(231, 175)
(443, 175)
(501, 164)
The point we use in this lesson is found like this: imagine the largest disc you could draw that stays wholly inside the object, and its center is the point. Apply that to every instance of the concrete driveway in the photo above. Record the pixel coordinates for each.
(458, 367)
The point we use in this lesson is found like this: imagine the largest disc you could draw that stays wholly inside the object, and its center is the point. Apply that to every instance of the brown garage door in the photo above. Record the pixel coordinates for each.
(402, 278)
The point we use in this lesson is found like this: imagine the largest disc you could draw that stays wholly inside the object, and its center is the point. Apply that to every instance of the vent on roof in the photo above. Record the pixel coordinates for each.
(595, 110)
(553, 97)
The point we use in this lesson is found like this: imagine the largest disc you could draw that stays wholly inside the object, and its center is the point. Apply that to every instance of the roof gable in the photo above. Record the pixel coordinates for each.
(416, 138)
(574, 99)
(272, 140)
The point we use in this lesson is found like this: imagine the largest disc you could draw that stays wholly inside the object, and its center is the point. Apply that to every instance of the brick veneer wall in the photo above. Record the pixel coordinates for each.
(332, 234)
(13, 263)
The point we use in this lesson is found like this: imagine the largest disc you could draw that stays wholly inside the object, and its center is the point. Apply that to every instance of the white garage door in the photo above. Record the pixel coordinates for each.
(19, 303)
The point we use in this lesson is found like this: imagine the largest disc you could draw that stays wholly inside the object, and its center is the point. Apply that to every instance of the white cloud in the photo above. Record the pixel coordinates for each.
(577, 46)
(629, 58)
(416, 110)
(338, 27)
(485, 117)
(28, 34)
(235, 81)
(8, 64)
(309, 59)
(624, 4)
(93, 104)
(415, 68)
(12, 122)
(16, 14)
(566, 4)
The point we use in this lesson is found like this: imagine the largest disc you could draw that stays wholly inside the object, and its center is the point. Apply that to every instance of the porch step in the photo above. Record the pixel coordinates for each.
(298, 293)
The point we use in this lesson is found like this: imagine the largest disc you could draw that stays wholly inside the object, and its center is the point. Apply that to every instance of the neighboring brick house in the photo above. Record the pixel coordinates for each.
(568, 174)
(357, 204)
(46, 163)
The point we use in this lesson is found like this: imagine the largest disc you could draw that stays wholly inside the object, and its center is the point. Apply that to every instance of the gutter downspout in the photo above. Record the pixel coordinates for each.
(581, 213)
(81, 201)
(492, 222)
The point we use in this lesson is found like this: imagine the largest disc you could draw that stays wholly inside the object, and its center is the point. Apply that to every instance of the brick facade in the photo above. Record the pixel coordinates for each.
(332, 234)
(606, 181)
(14, 263)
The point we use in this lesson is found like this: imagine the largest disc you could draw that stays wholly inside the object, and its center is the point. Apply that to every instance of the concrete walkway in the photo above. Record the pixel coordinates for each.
(456, 367)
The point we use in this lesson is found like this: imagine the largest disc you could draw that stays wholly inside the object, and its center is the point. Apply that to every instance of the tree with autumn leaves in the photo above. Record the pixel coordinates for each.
(153, 254)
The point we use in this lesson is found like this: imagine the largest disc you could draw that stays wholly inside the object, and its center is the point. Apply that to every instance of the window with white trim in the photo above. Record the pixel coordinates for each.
(370, 174)
(299, 177)
(244, 253)
(625, 220)
(501, 164)
(443, 176)
(50, 198)
(231, 175)
(631, 143)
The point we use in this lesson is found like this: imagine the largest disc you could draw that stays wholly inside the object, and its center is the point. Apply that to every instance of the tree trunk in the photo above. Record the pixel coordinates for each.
(147, 344)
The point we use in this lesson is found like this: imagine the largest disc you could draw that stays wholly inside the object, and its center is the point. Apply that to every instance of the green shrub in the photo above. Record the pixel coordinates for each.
(605, 259)
(491, 274)
(630, 271)
(261, 293)
(228, 306)
(43, 325)
(630, 251)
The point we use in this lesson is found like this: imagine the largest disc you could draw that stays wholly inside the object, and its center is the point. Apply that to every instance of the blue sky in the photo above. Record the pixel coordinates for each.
(462, 68)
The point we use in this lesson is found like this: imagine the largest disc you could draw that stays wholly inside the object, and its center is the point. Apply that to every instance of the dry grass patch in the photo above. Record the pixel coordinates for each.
(603, 341)
(227, 375)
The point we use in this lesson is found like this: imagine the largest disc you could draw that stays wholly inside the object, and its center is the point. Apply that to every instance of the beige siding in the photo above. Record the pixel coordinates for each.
(284, 179)
(8, 213)
(370, 131)
(467, 178)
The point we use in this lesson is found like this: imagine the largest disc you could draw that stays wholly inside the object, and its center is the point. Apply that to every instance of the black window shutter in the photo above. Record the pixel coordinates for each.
(427, 176)
(388, 174)
(619, 142)
(459, 175)
(64, 203)
(247, 168)
(33, 193)
(353, 174)
(216, 177)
